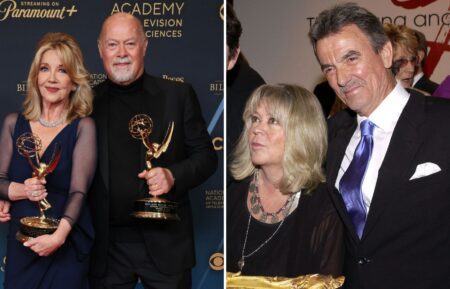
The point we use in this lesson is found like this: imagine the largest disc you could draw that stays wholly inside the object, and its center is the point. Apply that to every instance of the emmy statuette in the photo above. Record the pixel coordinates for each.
(29, 145)
(140, 127)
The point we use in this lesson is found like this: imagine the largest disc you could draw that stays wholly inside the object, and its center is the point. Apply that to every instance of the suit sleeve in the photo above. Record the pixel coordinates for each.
(201, 159)
(327, 241)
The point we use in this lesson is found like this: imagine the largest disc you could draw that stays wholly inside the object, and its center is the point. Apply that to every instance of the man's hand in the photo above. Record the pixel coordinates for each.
(159, 180)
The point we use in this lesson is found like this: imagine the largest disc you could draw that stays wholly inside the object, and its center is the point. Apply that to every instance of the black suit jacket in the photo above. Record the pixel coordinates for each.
(326, 96)
(190, 157)
(406, 239)
(425, 84)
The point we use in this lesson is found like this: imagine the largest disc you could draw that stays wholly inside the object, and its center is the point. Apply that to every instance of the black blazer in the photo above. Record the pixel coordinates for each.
(190, 157)
(406, 240)
(425, 84)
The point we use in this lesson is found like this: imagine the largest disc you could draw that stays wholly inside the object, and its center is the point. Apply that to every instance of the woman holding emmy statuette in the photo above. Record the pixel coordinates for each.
(47, 162)
(280, 220)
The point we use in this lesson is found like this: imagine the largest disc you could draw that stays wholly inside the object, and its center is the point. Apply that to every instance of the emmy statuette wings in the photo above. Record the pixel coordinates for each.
(165, 144)
(29, 145)
(140, 127)
(43, 170)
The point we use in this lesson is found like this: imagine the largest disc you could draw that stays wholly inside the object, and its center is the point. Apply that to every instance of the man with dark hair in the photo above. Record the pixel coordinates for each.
(234, 32)
(241, 81)
(158, 253)
(388, 159)
(421, 81)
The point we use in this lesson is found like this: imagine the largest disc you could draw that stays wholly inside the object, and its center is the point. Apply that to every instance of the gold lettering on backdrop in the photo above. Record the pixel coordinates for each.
(97, 78)
(31, 3)
(216, 87)
(8, 9)
(218, 143)
(163, 33)
(22, 87)
(163, 22)
(173, 78)
(145, 9)
(214, 199)
(165, 19)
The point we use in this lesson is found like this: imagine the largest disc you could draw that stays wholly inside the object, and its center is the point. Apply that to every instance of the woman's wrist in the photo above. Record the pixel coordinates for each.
(62, 231)
(16, 191)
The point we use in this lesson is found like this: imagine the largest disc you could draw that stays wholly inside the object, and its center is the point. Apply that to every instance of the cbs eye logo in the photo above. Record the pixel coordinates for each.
(2, 268)
(222, 12)
(216, 261)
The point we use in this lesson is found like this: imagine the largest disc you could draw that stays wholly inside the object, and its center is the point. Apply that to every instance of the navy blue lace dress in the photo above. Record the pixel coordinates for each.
(66, 186)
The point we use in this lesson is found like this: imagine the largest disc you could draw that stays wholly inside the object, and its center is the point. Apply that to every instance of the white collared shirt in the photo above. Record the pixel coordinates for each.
(385, 118)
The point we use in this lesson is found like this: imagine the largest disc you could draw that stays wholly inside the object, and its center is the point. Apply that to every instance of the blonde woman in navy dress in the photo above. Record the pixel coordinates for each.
(56, 107)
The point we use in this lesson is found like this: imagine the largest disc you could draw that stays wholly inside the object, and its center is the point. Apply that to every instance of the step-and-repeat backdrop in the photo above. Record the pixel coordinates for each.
(185, 44)
(287, 24)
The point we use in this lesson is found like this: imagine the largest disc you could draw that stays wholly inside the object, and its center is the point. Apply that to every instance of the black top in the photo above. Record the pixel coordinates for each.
(309, 241)
(427, 85)
(125, 157)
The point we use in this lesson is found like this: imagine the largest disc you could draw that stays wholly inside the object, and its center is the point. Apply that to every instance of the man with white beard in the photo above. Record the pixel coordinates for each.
(159, 253)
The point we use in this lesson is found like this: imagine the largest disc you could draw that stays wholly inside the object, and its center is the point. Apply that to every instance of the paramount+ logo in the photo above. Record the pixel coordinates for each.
(35, 10)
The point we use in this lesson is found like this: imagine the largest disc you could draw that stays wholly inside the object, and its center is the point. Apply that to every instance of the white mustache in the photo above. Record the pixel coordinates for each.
(125, 60)
(350, 85)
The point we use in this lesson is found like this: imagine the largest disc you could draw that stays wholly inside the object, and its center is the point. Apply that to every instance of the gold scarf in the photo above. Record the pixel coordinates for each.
(313, 281)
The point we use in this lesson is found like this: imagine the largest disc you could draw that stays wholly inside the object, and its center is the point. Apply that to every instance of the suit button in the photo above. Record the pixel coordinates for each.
(363, 261)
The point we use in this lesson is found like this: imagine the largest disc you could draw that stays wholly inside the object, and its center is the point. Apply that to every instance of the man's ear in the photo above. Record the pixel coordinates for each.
(145, 45)
(387, 54)
(99, 46)
(232, 61)
(421, 55)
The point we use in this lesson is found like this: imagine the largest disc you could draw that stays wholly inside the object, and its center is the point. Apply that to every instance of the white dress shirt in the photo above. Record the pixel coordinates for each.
(385, 118)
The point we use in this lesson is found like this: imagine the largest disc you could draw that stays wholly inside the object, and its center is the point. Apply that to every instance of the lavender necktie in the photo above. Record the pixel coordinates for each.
(351, 181)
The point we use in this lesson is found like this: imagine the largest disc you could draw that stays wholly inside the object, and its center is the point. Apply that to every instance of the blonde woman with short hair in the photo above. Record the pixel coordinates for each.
(280, 221)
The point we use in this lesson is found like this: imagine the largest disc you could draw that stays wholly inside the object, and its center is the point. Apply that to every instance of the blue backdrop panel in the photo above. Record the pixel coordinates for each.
(185, 44)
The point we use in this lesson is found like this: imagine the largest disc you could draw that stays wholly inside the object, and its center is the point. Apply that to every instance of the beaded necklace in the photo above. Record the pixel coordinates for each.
(256, 206)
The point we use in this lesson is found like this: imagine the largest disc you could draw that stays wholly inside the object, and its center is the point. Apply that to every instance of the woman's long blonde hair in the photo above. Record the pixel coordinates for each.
(80, 100)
